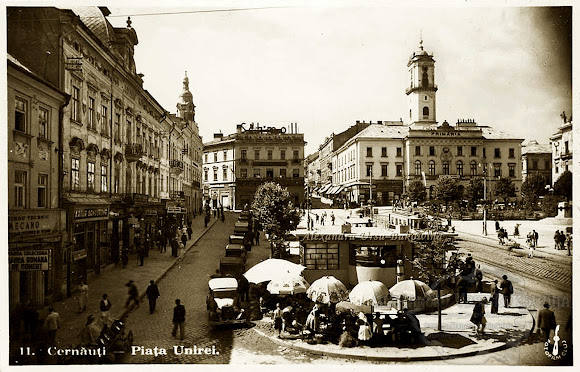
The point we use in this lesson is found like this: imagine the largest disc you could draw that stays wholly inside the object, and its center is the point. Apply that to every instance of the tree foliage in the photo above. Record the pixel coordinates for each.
(563, 186)
(474, 191)
(273, 210)
(446, 189)
(505, 188)
(416, 191)
(431, 263)
(532, 188)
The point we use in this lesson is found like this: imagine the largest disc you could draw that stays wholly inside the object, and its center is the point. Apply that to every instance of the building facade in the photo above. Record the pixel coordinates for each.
(562, 149)
(36, 223)
(537, 159)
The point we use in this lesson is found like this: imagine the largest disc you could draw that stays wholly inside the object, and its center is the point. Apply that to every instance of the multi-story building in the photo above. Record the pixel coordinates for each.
(121, 151)
(258, 154)
(562, 149)
(36, 223)
(312, 171)
(537, 159)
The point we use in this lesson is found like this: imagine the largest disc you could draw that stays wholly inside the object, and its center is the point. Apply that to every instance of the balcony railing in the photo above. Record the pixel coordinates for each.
(133, 152)
(176, 167)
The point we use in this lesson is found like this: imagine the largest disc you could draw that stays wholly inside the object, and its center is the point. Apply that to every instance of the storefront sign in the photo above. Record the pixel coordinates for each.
(173, 209)
(91, 213)
(79, 255)
(29, 260)
(32, 224)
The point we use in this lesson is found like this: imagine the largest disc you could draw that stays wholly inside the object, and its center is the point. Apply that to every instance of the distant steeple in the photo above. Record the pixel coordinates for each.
(185, 106)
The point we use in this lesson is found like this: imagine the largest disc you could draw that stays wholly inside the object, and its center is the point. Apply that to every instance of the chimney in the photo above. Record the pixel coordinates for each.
(379, 122)
(358, 121)
(218, 136)
(239, 128)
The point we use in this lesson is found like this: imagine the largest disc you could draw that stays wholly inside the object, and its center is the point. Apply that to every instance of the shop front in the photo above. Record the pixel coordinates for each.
(35, 259)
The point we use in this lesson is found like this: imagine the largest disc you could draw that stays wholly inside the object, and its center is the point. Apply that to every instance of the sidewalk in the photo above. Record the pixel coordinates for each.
(457, 339)
(112, 281)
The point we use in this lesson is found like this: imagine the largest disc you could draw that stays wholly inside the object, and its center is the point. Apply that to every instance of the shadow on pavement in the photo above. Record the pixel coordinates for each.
(452, 340)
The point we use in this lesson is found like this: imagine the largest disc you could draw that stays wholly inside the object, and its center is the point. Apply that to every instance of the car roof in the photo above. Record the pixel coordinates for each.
(217, 284)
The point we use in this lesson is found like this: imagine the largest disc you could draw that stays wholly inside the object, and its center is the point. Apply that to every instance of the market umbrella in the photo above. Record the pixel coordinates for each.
(349, 307)
(290, 283)
(326, 290)
(411, 289)
(270, 269)
(371, 293)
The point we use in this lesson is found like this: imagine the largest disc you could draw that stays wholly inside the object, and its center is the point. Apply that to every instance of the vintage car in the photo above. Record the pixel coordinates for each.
(223, 302)
(234, 266)
(236, 250)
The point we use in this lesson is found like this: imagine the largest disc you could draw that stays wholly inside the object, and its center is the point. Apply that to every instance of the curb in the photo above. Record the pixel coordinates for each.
(407, 358)
(173, 264)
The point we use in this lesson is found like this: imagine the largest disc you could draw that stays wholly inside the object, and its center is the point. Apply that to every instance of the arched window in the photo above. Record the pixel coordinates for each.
(446, 168)
(418, 167)
(432, 167)
(425, 79)
(460, 168)
(425, 112)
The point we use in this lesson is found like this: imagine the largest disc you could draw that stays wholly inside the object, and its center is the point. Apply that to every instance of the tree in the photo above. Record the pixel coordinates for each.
(446, 189)
(505, 188)
(474, 192)
(416, 191)
(563, 186)
(432, 266)
(533, 187)
(273, 210)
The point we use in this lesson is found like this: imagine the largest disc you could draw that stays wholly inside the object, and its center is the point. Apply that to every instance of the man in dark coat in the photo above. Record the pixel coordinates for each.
(178, 319)
(174, 247)
(546, 321)
(152, 295)
(507, 290)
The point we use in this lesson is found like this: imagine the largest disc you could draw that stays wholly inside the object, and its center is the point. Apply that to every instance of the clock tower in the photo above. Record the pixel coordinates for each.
(422, 89)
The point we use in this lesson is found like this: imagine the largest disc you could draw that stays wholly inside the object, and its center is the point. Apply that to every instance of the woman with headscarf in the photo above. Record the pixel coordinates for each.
(313, 320)
(364, 330)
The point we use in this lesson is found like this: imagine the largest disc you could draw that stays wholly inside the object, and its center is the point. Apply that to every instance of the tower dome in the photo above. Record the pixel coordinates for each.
(185, 106)
(185, 97)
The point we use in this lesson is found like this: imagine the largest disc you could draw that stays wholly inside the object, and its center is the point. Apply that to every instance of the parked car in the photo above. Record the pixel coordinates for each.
(223, 302)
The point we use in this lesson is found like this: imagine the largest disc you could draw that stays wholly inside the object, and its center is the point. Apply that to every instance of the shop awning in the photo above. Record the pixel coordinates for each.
(86, 200)
(324, 188)
(337, 189)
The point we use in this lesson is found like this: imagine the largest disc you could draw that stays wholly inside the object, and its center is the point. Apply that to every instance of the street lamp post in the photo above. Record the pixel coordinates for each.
(485, 199)
(371, 193)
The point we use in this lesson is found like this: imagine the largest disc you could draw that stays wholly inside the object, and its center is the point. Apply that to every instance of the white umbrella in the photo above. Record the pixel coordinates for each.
(372, 293)
(290, 283)
(326, 290)
(271, 269)
(411, 289)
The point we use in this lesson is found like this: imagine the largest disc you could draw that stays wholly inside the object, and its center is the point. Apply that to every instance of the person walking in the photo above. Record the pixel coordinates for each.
(141, 254)
(83, 296)
(184, 240)
(536, 236)
(174, 247)
(517, 230)
(556, 239)
(562, 239)
(133, 294)
(105, 307)
(546, 321)
(531, 248)
(278, 319)
(478, 317)
(507, 289)
(478, 279)
(332, 218)
(206, 220)
(569, 243)
(257, 237)
(152, 295)
(52, 325)
(178, 319)
(494, 291)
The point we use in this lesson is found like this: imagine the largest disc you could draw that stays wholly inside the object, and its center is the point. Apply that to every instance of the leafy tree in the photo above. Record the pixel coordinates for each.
(533, 187)
(434, 267)
(505, 188)
(474, 192)
(563, 186)
(446, 189)
(273, 210)
(550, 205)
(416, 191)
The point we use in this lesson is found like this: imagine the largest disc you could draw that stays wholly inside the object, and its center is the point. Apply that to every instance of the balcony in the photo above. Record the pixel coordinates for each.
(133, 152)
(176, 167)
(431, 87)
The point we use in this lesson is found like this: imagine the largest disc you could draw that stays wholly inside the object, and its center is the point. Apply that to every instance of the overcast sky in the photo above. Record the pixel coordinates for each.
(324, 67)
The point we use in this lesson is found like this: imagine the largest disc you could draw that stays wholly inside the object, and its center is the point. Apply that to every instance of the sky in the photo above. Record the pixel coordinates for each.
(324, 66)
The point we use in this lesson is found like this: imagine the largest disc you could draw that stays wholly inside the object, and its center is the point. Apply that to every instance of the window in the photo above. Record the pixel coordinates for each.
(546, 164)
(118, 127)
(446, 168)
(225, 155)
(20, 109)
(484, 152)
(244, 154)
(257, 154)
(205, 175)
(256, 172)
(432, 168)
(295, 154)
(20, 189)
(283, 172)
(431, 150)
(497, 170)
(425, 78)
(104, 121)
(92, 121)
(42, 122)
(42, 190)
(473, 168)
(75, 174)
(206, 157)
(369, 169)
(295, 173)
(399, 152)
(75, 108)
(459, 150)
(215, 174)
(321, 256)
(497, 153)
(566, 148)
(225, 174)
(215, 156)
(473, 150)
(384, 169)
(117, 180)
(534, 164)
(104, 180)
(383, 152)
(283, 154)
(373, 256)
(460, 168)
(369, 152)
(512, 153)
(128, 138)
(417, 150)
(425, 112)
(512, 170)
(399, 170)
(269, 173)
(243, 173)
(90, 176)
(418, 168)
